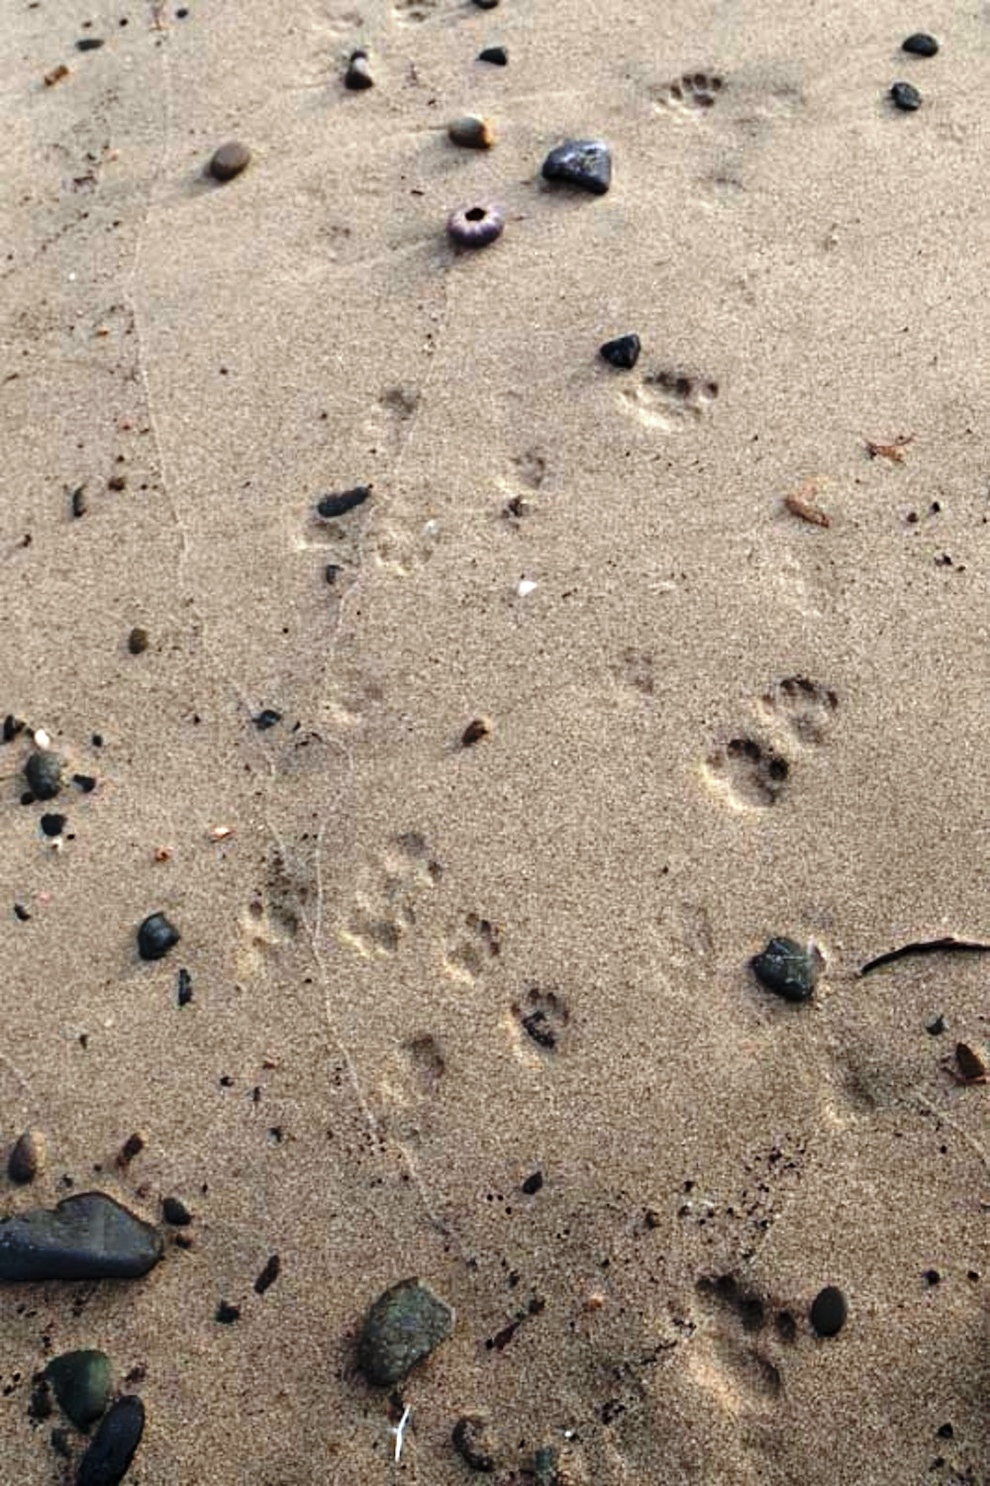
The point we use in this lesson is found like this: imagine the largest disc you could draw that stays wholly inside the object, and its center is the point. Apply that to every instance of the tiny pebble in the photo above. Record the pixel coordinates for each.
(268, 1275)
(472, 133)
(266, 718)
(137, 640)
(586, 163)
(475, 226)
(932, 1277)
(184, 988)
(56, 75)
(77, 501)
(936, 1025)
(27, 1158)
(331, 571)
(338, 504)
(477, 729)
(829, 1311)
(133, 1146)
(21, 912)
(788, 969)
(358, 75)
(11, 727)
(175, 1212)
(972, 1066)
(475, 1442)
(51, 824)
(486, 4)
(533, 1184)
(227, 1314)
(920, 44)
(905, 96)
(43, 772)
(89, 43)
(117, 482)
(114, 1445)
(623, 352)
(496, 55)
(156, 936)
(229, 160)
(85, 782)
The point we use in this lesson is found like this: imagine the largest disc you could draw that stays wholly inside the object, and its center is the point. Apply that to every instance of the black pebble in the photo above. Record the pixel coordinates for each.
(920, 44)
(358, 75)
(623, 352)
(586, 163)
(77, 501)
(85, 782)
(227, 1314)
(404, 1326)
(82, 1382)
(936, 1026)
(905, 96)
(497, 55)
(267, 718)
(137, 640)
(788, 969)
(21, 912)
(43, 772)
(52, 825)
(486, 4)
(175, 1212)
(331, 570)
(932, 1277)
(829, 1311)
(268, 1275)
(343, 501)
(184, 990)
(11, 727)
(533, 1183)
(89, 43)
(108, 1458)
(156, 936)
(88, 1236)
(26, 1158)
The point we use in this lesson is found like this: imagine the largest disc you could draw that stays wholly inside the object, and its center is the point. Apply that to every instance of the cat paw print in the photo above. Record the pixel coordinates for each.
(539, 1022)
(670, 399)
(804, 707)
(472, 949)
(385, 905)
(750, 774)
(412, 1086)
(402, 550)
(729, 1352)
(692, 92)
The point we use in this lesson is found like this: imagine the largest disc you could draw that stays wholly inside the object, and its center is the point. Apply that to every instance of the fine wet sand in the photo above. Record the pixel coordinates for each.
(422, 972)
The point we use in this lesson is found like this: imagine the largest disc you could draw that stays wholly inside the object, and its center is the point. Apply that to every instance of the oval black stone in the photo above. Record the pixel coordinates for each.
(43, 772)
(156, 936)
(829, 1311)
(52, 824)
(905, 96)
(114, 1445)
(623, 352)
(788, 969)
(920, 44)
(229, 160)
(175, 1212)
(358, 75)
(343, 501)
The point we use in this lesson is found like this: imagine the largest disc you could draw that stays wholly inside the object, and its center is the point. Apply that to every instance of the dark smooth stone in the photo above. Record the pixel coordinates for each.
(496, 55)
(114, 1445)
(89, 43)
(88, 1236)
(404, 1325)
(268, 1275)
(533, 1183)
(229, 160)
(920, 44)
(51, 824)
(486, 4)
(184, 988)
(829, 1311)
(175, 1212)
(266, 718)
(78, 501)
(343, 501)
(358, 75)
(156, 936)
(623, 352)
(43, 772)
(478, 728)
(788, 969)
(82, 1385)
(227, 1314)
(583, 162)
(27, 1158)
(474, 1440)
(85, 782)
(22, 913)
(905, 96)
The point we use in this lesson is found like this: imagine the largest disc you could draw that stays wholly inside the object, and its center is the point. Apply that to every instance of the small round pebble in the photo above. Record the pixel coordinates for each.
(920, 44)
(27, 1158)
(829, 1311)
(475, 226)
(472, 133)
(905, 96)
(43, 772)
(138, 640)
(358, 75)
(486, 4)
(156, 936)
(229, 160)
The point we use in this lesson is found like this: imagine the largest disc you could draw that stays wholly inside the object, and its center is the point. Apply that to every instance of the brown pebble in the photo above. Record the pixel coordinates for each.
(27, 1158)
(972, 1067)
(137, 640)
(56, 75)
(229, 160)
(479, 728)
(117, 482)
(133, 1146)
(472, 133)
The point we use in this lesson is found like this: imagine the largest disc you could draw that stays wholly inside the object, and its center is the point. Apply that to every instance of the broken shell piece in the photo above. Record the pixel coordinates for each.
(220, 833)
(525, 586)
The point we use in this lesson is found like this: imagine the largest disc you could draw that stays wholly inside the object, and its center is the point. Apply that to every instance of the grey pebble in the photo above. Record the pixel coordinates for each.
(88, 1236)
(156, 936)
(404, 1325)
(43, 772)
(114, 1445)
(81, 1381)
(788, 969)
(905, 96)
(229, 160)
(586, 163)
(27, 1158)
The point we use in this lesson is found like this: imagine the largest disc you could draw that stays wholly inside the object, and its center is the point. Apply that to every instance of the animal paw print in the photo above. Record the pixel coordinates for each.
(752, 775)
(403, 551)
(805, 707)
(735, 1318)
(692, 91)
(636, 668)
(531, 468)
(469, 954)
(670, 399)
(410, 12)
(385, 907)
(541, 1019)
(411, 1087)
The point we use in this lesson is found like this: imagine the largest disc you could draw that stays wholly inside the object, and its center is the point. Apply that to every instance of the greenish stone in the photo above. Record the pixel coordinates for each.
(403, 1326)
(82, 1385)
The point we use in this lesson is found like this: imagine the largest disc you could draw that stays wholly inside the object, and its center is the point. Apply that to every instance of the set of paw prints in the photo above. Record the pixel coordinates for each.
(752, 770)
(692, 91)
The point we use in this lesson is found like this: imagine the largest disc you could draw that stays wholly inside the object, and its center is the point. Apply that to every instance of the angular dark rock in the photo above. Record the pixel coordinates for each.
(474, 1440)
(114, 1445)
(342, 501)
(88, 1236)
(623, 352)
(266, 718)
(788, 969)
(175, 1212)
(43, 772)
(905, 96)
(156, 936)
(184, 988)
(81, 1381)
(89, 43)
(403, 1326)
(496, 55)
(586, 163)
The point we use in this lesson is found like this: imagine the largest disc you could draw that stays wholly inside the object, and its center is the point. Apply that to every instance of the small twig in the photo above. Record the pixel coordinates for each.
(801, 505)
(949, 945)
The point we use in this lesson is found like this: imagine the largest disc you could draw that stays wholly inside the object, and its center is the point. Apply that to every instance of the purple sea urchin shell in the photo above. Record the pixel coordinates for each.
(475, 226)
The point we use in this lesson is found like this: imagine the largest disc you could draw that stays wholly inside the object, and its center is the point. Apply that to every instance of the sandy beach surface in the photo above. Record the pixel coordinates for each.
(480, 1010)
